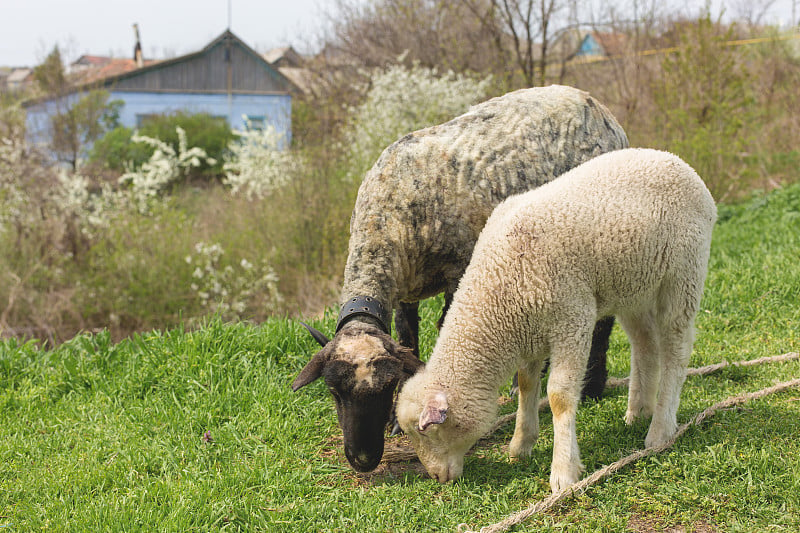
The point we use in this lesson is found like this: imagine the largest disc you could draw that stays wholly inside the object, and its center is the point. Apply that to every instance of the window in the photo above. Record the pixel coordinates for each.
(141, 118)
(256, 122)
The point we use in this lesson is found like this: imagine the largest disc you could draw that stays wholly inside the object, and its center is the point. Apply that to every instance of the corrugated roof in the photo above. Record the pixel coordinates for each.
(107, 67)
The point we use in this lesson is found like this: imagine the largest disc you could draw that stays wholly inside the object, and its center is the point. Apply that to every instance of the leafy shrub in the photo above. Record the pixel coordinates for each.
(165, 166)
(115, 149)
(706, 105)
(212, 134)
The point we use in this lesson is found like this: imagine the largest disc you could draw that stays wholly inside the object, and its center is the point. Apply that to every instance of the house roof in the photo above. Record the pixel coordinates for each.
(107, 72)
(99, 68)
(275, 54)
(613, 43)
(300, 77)
(227, 35)
(19, 75)
(95, 61)
(285, 56)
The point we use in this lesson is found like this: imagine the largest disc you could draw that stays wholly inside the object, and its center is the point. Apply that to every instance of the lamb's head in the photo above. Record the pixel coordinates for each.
(441, 435)
(362, 367)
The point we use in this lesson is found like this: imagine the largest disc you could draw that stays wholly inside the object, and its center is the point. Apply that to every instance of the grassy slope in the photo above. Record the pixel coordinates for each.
(102, 437)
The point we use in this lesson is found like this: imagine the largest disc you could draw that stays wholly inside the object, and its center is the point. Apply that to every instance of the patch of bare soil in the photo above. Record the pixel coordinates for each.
(398, 459)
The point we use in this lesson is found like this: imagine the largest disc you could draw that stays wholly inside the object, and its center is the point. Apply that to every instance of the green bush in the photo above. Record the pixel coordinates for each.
(115, 149)
(210, 133)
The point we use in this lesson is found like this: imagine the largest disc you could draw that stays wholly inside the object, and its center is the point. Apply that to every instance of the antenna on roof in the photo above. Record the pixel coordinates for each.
(230, 9)
(137, 49)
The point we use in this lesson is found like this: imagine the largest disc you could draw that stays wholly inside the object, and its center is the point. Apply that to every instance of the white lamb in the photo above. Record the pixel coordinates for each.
(627, 234)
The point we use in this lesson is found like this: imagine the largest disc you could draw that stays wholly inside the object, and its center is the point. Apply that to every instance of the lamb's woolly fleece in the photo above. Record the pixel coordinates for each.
(422, 206)
(628, 234)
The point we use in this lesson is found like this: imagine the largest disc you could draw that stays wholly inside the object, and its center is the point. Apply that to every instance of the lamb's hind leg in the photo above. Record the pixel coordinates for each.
(645, 368)
(526, 430)
(676, 349)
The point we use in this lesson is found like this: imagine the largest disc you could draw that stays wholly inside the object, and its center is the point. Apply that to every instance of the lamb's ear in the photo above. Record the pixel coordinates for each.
(313, 369)
(411, 364)
(435, 410)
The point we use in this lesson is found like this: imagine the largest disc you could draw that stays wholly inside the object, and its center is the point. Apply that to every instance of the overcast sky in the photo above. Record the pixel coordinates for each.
(29, 29)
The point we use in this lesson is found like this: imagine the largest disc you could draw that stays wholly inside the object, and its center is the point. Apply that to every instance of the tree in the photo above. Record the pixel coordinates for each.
(511, 39)
(704, 101)
(441, 34)
(50, 75)
(85, 121)
(78, 118)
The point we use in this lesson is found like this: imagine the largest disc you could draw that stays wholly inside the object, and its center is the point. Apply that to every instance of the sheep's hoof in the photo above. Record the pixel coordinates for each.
(396, 429)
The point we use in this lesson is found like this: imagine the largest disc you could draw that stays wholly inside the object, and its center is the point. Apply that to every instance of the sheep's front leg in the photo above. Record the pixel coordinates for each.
(526, 430)
(567, 368)
(406, 323)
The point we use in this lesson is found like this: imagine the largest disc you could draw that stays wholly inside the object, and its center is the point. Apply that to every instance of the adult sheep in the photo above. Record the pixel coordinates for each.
(627, 233)
(418, 214)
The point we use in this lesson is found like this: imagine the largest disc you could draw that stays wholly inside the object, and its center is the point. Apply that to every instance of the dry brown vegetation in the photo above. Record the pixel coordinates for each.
(723, 96)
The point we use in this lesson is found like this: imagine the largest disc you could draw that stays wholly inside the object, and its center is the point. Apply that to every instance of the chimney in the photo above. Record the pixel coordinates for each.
(137, 50)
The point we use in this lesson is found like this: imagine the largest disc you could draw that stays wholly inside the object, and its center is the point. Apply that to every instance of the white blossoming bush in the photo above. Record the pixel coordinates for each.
(93, 210)
(259, 163)
(231, 291)
(12, 198)
(163, 168)
(401, 100)
(140, 188)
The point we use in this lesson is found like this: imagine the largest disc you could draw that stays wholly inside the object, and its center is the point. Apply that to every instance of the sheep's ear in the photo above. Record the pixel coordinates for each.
(313, 369)
(318, 336)
(435, 410)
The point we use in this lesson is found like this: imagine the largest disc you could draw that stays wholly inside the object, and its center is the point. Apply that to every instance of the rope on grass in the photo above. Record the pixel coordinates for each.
(580, 486)
(623, 382)
(703, 370)
(399, 454)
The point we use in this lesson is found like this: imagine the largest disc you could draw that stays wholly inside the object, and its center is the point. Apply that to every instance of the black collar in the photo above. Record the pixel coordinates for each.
(364, 306)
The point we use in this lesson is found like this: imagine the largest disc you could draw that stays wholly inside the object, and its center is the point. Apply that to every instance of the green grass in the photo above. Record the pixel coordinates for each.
(199, 431)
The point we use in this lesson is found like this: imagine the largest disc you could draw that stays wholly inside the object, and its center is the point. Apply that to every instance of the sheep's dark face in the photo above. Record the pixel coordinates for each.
(363, 393)
(362, 367)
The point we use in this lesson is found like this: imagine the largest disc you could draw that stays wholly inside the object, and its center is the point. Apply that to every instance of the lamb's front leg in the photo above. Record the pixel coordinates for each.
(567, 368)
(526, 430)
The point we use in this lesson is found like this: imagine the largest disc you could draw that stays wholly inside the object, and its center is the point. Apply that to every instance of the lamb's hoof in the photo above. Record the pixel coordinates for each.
(561, 480)
(519, 448)
(519, 451)
(632, 415)
(659, 436)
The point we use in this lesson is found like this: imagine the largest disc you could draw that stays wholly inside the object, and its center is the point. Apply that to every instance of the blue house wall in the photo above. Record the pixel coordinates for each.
(37, 117)
(590, 47)
(274, 110)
